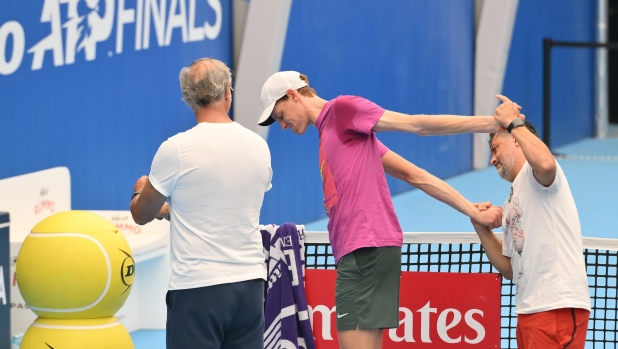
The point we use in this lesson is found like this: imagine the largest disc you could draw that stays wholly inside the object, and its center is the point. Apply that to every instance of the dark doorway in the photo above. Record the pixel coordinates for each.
(612, 61)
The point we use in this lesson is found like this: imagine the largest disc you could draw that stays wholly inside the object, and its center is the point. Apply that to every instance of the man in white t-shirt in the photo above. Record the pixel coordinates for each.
(215, 175)
(542, 248)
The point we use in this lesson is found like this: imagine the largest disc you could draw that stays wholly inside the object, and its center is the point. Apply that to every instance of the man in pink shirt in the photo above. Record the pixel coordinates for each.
(364, 232)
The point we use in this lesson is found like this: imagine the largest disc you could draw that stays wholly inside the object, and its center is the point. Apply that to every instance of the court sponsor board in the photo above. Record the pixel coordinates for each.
(436, 310)
(30, 198)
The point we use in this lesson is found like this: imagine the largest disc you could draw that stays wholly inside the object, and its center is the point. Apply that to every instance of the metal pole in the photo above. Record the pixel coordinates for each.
(602, 102)
(547, 45)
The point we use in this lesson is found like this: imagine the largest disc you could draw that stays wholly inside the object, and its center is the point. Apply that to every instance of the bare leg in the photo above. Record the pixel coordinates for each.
(361, 339)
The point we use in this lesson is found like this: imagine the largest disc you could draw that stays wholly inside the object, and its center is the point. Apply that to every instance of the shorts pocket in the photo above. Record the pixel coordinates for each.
(365, 259)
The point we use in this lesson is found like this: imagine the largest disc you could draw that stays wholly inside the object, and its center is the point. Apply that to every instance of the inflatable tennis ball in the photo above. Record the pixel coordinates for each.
(102, 333)
(75, 265)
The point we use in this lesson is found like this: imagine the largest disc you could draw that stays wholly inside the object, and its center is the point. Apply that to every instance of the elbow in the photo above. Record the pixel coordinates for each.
(140, 221)
(548, 167)
(416, 180)
(139, 218)
(546, 173)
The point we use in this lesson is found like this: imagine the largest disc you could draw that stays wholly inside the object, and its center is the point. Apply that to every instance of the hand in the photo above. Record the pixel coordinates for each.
(164, 212)
(491, 217)
(482, 206)
(140, 184)
(507, 112)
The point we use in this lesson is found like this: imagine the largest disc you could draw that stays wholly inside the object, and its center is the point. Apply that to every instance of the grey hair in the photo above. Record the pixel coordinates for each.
(527, 124)
(203, 86)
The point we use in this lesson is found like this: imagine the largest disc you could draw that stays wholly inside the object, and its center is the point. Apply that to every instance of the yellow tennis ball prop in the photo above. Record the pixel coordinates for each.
(102, 333)
(75, 265)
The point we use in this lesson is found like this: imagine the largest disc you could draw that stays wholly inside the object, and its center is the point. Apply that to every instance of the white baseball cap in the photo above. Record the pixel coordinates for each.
(274, 88)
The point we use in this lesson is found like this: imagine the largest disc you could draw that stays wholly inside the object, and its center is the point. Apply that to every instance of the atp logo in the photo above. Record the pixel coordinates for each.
(89, 22)
(78, 26)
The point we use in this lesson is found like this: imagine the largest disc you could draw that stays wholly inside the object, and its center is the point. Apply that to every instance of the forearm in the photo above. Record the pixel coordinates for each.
(148, 204)
(493, 250)
(537, 154)
(142, 213)
(406, 171)
(436, 124)
(453, 124)
(442, 191)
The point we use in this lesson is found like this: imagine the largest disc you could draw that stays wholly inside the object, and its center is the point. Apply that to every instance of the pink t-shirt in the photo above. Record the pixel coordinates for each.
(356, 196)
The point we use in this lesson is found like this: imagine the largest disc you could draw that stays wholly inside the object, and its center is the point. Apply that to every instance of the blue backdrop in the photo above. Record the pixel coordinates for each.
(572, 68)
(103, 115)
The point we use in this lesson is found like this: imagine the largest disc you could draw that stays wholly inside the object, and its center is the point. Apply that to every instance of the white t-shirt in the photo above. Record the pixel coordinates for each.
(543, 238)
(215, 175)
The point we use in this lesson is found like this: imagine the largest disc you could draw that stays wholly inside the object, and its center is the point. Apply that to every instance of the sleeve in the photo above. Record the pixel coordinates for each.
(382, 148)
(540, 188)
(269, 185)
(357, 114)
(507, 242)
(506, 245)
(165, 168)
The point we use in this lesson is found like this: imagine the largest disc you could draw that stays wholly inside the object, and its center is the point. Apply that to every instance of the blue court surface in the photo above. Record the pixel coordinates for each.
(148, 339)
(591, 167)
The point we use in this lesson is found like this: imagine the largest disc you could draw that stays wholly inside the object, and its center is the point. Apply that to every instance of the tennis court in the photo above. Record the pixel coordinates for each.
(591, 166)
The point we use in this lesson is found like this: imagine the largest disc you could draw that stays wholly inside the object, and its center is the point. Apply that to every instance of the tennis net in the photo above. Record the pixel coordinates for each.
(463, 253)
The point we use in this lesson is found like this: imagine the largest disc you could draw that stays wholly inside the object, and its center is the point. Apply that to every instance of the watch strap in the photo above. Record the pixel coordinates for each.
(515, 124)
(135, 193)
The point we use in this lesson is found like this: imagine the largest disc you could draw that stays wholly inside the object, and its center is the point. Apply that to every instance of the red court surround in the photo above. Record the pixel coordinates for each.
(437, 310)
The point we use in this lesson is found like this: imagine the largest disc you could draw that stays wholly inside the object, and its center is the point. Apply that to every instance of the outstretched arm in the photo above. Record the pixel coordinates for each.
(148, 204)
(493, 249)
(536, 152)
(426, 125)
(401, 168)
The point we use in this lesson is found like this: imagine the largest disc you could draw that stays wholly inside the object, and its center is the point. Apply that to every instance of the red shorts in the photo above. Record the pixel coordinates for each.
(558, 328)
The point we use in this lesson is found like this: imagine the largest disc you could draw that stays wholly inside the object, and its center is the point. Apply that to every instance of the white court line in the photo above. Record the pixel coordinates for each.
(609, 158)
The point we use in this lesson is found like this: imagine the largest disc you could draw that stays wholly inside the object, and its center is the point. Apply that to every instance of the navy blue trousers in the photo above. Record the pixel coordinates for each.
(227, 316)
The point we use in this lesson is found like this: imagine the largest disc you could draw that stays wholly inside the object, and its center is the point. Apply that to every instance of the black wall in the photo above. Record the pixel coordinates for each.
(5, 290)
(612, 64)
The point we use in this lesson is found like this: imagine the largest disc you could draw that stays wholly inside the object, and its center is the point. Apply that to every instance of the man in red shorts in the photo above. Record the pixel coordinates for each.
(542, 248)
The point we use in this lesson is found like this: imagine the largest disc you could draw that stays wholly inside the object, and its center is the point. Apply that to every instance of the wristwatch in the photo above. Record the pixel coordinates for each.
(515, 124)
(135, 193)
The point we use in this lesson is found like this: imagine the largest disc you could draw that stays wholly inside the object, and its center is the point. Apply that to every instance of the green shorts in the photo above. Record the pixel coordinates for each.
(367, 291)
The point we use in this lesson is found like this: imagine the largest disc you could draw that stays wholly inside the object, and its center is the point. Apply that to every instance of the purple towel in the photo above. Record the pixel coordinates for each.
(287, 323)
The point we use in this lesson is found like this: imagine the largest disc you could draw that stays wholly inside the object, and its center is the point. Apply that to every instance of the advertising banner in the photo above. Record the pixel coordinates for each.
(436, 310)
(28, 199)
(92, 85)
